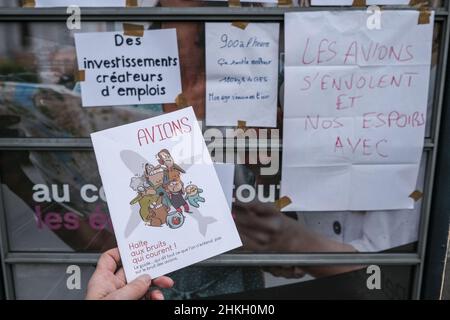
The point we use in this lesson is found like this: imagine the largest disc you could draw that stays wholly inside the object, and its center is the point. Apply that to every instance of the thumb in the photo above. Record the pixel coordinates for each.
(134, 290)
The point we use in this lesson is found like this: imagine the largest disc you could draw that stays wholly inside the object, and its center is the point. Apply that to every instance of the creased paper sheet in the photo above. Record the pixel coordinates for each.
(354, 110)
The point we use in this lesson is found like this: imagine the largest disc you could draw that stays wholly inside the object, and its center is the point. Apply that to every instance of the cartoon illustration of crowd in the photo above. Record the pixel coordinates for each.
(160, 188)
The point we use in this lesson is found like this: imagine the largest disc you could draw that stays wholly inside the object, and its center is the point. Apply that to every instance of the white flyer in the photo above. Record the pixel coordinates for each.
(166, 203)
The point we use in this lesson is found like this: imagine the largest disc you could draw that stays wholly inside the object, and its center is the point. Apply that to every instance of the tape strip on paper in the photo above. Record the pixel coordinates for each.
(284, 3)
(416, 195)
(240, 24)
(359, 3)
(414, 3)
(133, 30)
(283, 202)
(131, 3)
(29, 3)
(424, 16)
(424, 11)
(181, 101)
(242, 124)
(80, 75)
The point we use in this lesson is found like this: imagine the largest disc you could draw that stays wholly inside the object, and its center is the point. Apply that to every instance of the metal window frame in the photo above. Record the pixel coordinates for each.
(438, 240)
(204, 14)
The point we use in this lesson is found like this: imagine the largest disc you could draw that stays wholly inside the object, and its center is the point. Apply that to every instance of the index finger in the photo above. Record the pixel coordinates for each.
(163, 282)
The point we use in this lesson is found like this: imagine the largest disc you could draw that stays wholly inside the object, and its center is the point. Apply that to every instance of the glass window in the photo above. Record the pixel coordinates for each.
(53, 201)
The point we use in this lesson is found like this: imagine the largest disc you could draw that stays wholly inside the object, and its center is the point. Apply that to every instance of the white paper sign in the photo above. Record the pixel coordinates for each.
(81, 3)
(241, 74)
(350, 2)
(166, 203)
(124, 70)
(355, 110)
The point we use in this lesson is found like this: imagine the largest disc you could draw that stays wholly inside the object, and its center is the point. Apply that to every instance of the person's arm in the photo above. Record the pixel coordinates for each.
(108, 282)
(263, 228)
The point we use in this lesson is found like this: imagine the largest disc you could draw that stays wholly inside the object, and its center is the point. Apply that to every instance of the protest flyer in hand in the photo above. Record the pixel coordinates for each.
(166, 203)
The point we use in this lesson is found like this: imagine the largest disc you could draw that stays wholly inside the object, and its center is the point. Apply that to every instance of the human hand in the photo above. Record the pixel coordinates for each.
(108, 282)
